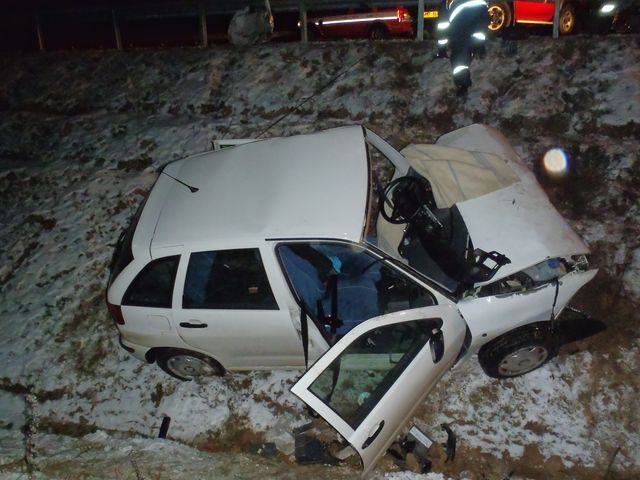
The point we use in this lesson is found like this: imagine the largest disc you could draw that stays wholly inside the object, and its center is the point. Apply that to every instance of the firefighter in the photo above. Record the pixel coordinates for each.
(462, 28)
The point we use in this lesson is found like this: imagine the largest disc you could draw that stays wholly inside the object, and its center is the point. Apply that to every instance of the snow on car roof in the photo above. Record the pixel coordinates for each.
(306, 186)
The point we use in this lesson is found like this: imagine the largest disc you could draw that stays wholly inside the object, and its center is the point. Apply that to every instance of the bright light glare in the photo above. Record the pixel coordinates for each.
(607, 8)
(556, 162)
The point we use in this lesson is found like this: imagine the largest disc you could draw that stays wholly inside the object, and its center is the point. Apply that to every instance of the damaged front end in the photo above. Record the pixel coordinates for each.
(533, 277)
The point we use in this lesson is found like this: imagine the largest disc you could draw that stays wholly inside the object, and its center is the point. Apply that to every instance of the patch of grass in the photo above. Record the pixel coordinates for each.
(42, 395)
(46, 223)
(339, 113)
(136, 164)
(157, 394)
(19, 261)
(118, 130)
(71, 429)
(234, 435)
(217, 109)
(148, 144)
(537, 428)
(557, 123)
(631, 129)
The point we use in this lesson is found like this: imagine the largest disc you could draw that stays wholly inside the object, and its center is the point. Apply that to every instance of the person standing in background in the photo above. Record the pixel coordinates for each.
(462, 28)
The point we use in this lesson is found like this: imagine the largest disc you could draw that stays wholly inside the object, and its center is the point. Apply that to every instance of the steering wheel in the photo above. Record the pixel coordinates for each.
(405, 197)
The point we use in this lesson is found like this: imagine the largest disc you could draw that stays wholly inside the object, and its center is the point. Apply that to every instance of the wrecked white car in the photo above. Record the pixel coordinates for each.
(280, 253)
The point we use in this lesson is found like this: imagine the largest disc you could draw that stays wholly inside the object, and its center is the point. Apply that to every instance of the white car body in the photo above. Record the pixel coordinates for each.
(275, 194)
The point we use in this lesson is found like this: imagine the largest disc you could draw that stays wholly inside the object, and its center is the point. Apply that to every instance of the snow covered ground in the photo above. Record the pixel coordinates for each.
(81, 137)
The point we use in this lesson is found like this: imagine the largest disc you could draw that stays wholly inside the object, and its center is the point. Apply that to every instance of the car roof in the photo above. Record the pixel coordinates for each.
(305, 186)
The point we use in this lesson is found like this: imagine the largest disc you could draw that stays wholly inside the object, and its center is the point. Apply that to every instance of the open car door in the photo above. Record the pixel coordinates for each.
(369, 383)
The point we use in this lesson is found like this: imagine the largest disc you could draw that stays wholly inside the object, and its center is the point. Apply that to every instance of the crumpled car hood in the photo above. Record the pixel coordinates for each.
(518, 221)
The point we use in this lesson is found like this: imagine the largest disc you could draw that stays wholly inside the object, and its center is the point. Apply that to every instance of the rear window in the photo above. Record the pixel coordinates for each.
(153, 286)
(123, 254)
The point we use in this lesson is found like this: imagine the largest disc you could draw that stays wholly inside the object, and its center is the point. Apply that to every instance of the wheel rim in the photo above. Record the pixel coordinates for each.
(190, 367)
(496, 18)
(566, 22)
(523, 360)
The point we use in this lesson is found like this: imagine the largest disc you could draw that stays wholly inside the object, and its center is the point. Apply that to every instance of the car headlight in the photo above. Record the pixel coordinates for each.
(536, 276)
(546, 271)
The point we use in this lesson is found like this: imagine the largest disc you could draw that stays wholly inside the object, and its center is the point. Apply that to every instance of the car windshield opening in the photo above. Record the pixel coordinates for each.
(435, 242)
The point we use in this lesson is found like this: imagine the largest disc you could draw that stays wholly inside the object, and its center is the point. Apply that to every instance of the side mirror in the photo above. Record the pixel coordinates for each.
(437, 345)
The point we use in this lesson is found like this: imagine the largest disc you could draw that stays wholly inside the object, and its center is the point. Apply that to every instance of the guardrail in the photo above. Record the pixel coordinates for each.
(117, 12)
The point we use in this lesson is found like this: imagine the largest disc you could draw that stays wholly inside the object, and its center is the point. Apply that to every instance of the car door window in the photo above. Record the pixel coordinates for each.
(153, 286)
(227, 279)
(342, 284)
(371, 381)
(357, 379)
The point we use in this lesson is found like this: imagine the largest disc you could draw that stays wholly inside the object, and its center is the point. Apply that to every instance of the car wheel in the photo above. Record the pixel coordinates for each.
(187, 365)
(567, 20)
(499, 16)
(517, 352)
(378, 32)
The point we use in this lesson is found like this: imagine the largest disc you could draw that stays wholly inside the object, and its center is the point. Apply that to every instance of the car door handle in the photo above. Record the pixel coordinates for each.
(193, 325)
(373, 435)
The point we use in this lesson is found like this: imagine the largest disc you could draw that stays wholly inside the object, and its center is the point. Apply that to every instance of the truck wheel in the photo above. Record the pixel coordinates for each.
(567, 19)
(187, 365)
(499, 16)
(517, 352)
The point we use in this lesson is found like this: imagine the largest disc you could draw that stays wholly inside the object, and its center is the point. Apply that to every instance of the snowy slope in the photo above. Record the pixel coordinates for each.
(82, 135)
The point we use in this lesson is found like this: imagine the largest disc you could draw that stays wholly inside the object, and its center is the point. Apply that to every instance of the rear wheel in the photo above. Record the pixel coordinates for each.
(567, 20)
(499, 16)
(378, 32)
(518, 352)
(187, 365)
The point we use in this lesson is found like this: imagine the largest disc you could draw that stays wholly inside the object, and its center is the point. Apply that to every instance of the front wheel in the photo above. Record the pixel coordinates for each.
(518, 352)
(187, 365)
(378, 32)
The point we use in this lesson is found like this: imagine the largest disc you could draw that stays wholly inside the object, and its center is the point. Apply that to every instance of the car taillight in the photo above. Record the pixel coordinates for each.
(403, 15)
(116, 313)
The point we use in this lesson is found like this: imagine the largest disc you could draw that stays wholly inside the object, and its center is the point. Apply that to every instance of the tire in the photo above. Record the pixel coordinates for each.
(313, 34)
(499, 16)
(518, 352)
(378, 32)
(187, 365)
(567, 22)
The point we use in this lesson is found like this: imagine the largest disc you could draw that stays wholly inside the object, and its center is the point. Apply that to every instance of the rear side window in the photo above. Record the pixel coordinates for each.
(153, 286)
(228, 279)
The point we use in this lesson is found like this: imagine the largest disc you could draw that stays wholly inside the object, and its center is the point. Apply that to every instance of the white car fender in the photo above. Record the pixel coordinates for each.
(490, 317)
